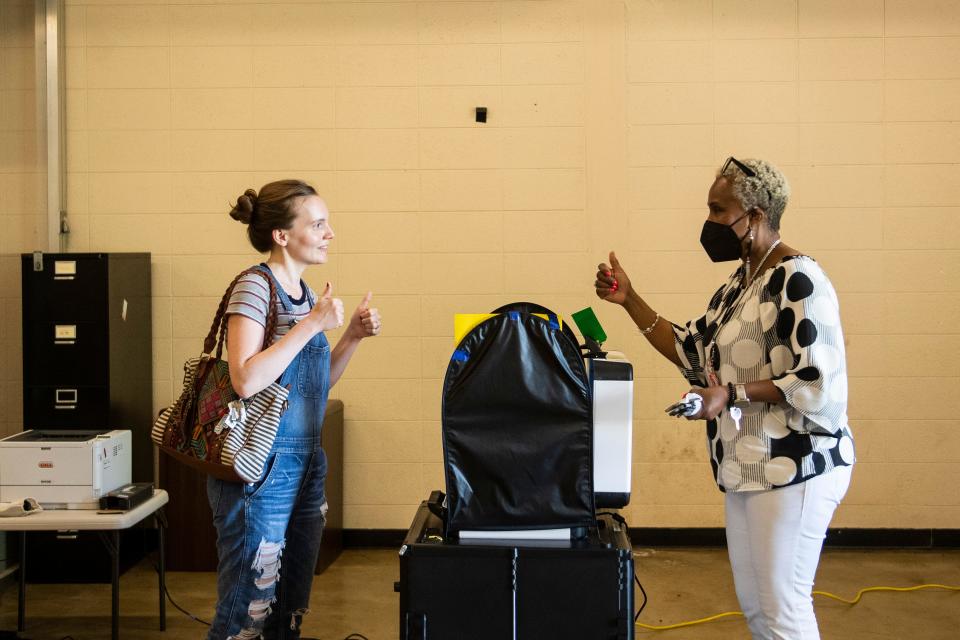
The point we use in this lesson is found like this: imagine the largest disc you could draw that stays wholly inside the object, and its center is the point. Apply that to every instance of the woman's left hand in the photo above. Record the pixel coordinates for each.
(715, 397)
(365, 322)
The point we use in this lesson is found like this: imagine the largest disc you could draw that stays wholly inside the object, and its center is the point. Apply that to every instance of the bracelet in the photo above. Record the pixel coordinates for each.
(652, 325)
(731, 395)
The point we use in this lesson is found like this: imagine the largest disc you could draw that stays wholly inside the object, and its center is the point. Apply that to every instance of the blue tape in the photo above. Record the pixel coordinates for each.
(513, 315)
(460, 356)
(554, 323)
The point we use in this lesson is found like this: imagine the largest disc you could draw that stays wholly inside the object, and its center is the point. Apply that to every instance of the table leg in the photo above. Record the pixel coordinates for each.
(22, 592)
(112, 542)
(161, 533)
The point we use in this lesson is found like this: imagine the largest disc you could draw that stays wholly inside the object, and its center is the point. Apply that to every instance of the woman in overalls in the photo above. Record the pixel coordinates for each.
(280, 517)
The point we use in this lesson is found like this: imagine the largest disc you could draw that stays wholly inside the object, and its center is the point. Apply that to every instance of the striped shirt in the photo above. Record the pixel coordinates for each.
(251, 296)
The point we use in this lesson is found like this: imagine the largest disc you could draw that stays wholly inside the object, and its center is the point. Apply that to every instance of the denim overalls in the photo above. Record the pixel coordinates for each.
(282, 514)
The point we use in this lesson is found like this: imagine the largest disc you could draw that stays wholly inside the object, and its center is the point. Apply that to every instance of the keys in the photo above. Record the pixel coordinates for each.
(735, 415)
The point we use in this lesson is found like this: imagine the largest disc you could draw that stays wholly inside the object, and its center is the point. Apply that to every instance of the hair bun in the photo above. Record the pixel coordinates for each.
(245, 207)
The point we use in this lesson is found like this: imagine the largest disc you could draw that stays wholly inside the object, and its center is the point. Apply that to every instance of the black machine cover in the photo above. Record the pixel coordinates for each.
(517, 426)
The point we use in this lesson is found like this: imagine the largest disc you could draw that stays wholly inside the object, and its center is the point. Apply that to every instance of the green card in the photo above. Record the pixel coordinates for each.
(588, 324)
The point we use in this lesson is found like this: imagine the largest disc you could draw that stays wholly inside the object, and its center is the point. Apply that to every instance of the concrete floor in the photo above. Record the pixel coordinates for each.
(356, 595)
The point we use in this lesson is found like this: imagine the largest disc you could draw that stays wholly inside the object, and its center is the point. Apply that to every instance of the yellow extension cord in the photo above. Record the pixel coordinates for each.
(826, 594)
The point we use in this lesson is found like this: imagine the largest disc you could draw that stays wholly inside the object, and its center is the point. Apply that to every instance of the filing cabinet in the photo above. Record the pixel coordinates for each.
(87, 346)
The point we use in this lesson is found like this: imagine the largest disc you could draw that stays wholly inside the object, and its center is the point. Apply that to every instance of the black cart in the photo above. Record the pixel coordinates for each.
(515, 590)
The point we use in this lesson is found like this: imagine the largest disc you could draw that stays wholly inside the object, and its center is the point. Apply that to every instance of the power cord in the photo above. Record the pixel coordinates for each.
(825, 594)
(156, 567)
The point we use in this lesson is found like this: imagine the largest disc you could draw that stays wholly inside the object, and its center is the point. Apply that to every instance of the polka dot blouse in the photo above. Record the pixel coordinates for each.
(784, 327)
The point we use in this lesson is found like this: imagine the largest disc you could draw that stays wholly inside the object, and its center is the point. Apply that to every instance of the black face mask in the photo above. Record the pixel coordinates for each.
(720, 241)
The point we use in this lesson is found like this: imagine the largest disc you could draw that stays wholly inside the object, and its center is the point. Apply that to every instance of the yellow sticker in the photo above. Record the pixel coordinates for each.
(463, 323)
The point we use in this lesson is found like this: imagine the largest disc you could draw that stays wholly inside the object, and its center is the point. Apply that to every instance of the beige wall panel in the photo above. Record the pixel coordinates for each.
(130, 151)
(380, 23)
(921, 228)
(123, 67)
(669, 187)
(557, 21)
(835, 101)
(376, 107)
(384, 66)
(670, 145)
(542, 106)
(121, 193)
(212, 150)
(851, 18)
(128, 26)
(386, 273)
(528, 275)
(461, 190)
(921, 58)
(459, 64)
(381, 483)
(552, 231)
(374, 233)
(200, 233)
(671, 103)
(295, 66)
(211, 66)
(543, 147)
(304, 150)
(446, 22)
(377, 191)
(841, 144)
(301, 108)
(753, 60)
(386, 441)
(538, 189)
(671, 61)
(811, 230)
(912, 100)
(843, 58)
(472, 148)
(748, 18)
(606, 123)
(111, 109)
(384, 399)
(211, 108)
(550, 63)
(226, 24)
(75, 67)
(656, 20)
(294, 24)
(931, 185)
(200, 192)
(749, 102)
(463, 232)
(359, 149)
(438, 309)
(403, 354)
(778, 143)
(921, 18)
(455, 106)
(463, 273)
(922, 142)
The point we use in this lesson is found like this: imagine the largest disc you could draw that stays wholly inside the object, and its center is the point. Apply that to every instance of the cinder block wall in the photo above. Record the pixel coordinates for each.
(606, 122)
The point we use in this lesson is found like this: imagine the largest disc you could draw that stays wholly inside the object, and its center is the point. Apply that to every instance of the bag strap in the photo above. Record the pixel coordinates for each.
(220, 326)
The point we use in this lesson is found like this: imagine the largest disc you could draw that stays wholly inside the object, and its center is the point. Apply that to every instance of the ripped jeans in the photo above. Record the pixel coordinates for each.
(268, 538)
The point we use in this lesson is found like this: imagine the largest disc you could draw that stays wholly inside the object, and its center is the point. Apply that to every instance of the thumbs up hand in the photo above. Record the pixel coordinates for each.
(365, 321)
(328, 312)
(612, 283)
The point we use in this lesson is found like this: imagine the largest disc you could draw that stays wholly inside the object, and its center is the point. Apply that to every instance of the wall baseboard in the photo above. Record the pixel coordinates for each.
(714, 537)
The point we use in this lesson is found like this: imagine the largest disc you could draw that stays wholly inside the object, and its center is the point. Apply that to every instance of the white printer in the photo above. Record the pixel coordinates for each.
(64, 469)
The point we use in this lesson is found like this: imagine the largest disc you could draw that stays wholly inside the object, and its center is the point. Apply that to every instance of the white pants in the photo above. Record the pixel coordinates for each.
(774, 540)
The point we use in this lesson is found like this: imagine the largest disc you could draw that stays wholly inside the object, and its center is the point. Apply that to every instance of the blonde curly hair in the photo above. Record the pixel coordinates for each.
(768, 189)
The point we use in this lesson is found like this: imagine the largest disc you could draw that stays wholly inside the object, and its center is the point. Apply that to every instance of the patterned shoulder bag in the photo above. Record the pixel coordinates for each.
(209, 427)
